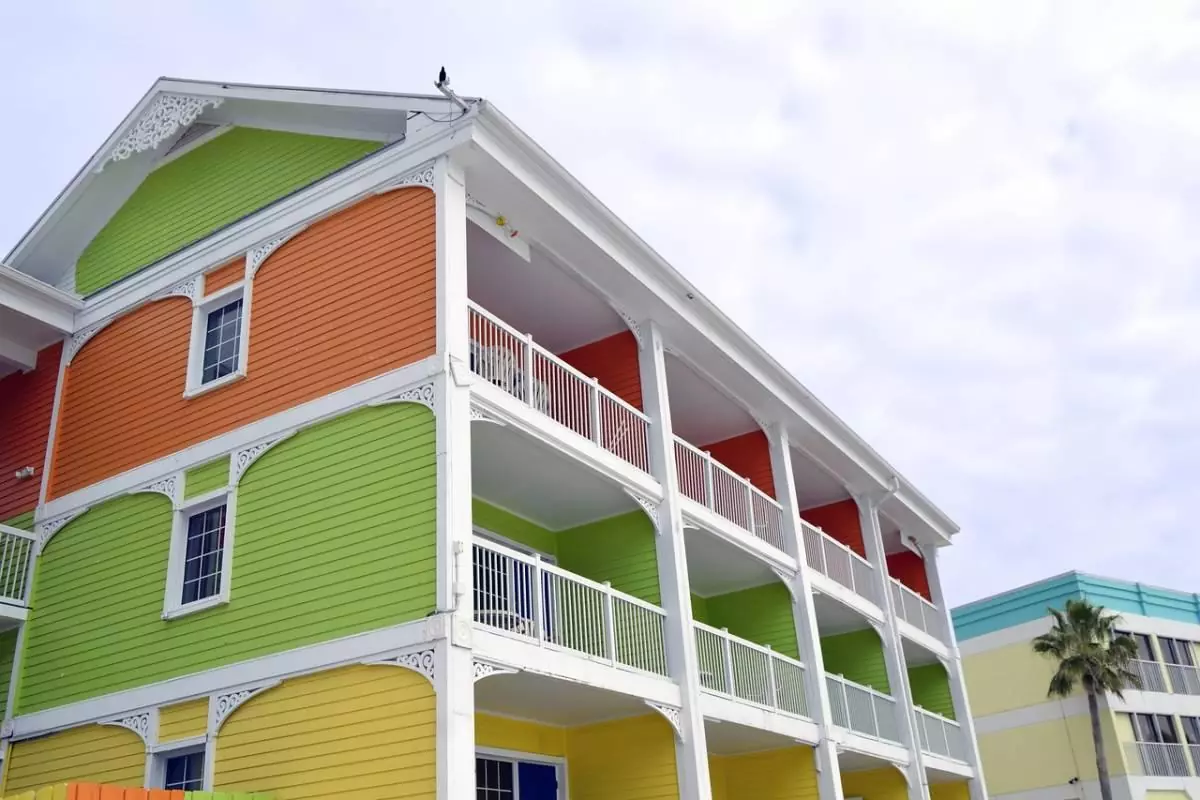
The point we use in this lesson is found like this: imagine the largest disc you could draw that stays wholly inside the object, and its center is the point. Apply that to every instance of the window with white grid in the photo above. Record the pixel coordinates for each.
(198, 569)
(203, 553)
(494, 779)
(184, 771)
(219, 346)
(222, 342)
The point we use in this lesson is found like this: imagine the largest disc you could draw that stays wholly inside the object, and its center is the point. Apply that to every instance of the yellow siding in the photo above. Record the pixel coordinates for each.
(1006, 678)
(629, 759)
(503, 733)
(92, 753)
(718, 776)
(362, 731)
(956, 790)
(1046, 754)
(183, 721)
(788, 774)
(1154, 794)
(876, 784)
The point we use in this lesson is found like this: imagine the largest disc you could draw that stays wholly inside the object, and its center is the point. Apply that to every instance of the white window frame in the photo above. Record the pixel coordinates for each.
(212, 302)
(156, 772)
(173, 605)
(516, 756)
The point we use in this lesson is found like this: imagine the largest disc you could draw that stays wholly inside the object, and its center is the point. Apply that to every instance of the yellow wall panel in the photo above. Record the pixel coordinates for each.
(954, 790)
(183, 721)
(1155, 794)
(92, 753)
(1006, 678)
(717, 776)
(875, 784)
(788, 774)
(503, 733)
(364, 731)
(1046, 754)
(628, 759)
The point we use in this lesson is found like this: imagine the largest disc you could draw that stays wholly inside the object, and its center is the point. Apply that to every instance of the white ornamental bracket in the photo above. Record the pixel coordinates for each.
(168, 114)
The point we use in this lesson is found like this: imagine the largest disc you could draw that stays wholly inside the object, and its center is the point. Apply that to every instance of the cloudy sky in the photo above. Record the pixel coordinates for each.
(966, 226)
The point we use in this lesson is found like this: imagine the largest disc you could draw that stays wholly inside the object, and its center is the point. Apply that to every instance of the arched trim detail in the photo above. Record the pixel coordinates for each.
(220, 706)
(649, 506)
(255, 256)
(171, 486)
(241, 460)
(45, 530)
(419, 176)
(485, 669)
(423, 394)
(144, 723)
(670, 714)
(423, 662)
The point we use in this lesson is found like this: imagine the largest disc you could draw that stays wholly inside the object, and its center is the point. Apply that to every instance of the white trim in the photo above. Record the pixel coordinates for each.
(157, 755)
(173, 605)
(201, 311)
(55, 412)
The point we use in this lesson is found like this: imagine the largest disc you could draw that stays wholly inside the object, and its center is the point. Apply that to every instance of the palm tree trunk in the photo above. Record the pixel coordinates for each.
(1098, 743)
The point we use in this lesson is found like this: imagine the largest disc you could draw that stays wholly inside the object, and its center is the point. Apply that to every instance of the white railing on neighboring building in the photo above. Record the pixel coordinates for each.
(1158, 759)
(748, 671)
(862, 709)
(16, 548)
(714, 486)
(542, 380)
(1151, 675)
(1184, 679)
(940, 736)
(529, 597)
(916, 610)
(833, 559)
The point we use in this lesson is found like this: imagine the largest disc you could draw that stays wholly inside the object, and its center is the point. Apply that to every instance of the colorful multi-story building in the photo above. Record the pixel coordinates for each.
(1040, 748)
(352, 448)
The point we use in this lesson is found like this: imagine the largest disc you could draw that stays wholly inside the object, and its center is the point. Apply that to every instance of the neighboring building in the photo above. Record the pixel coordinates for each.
(379, 459)
(1036, 747)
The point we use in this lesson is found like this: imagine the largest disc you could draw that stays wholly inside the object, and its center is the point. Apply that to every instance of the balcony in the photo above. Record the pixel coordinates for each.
(916, 610)
(1184, 678)
(835, 560)
(940, 736)
(861, 709)
(1159, 759)
(741, 669)
(16, 548)
(713, 485)
(1151, 675)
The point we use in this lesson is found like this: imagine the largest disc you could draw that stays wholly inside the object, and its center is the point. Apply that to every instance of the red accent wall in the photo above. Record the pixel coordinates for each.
(839, 520)
(749, 455)
(26, 403)
(909, 568)
(613, 361)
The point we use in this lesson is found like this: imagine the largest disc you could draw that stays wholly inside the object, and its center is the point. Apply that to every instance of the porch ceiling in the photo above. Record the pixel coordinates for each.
(730, 739)
(915, 655)
(853, 761)
(815, 486)
(700, 412)
(835, 617)
(555, 702)
(716, 567)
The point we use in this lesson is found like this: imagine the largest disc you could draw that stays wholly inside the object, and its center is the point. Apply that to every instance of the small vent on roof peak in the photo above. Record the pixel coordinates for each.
(195, 131)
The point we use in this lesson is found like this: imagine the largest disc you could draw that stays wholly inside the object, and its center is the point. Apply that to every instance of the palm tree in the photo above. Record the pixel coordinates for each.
(1090, 653)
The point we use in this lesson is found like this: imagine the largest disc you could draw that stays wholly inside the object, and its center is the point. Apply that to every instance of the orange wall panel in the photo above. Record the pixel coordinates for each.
(839, 520)
(613, 361)
(224, 276)
(749, 455)
(349, 298)
(909, 568)
(26, 403)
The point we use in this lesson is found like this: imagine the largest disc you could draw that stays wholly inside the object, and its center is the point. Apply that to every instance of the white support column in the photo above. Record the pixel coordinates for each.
(893, 652)
(958, 689)
(454, 681)
(691, 747)
(808, 636)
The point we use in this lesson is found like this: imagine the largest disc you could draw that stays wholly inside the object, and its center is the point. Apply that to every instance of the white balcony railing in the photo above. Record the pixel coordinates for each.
(1158, 759)
(16, 548)
(835, 560)
(529, 597)
(1151, 675)
(748, 671)
(862, 709)
(1184, 679)
(940, 736)
(542, 380)
(916, 610)
(714, 486)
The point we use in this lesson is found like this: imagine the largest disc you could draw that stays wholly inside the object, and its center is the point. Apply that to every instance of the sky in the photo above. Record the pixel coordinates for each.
(966, 226)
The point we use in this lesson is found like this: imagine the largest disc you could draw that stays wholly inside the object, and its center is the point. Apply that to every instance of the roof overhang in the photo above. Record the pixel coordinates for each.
(33, 315)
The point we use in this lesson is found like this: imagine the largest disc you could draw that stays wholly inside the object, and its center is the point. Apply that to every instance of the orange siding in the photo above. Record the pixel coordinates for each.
(349, 298)
(224, 276)
(613, 361)
(839, 520)
(749, 455)
(26, 403)
(909, 568)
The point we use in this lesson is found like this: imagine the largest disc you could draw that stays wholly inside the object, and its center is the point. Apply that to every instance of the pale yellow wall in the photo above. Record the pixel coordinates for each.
(1046, 754)
(629, 759)
(524, 737)
(876, 784)
(955, 790)
(183, 721)
(788, 774)
(718, 776)
(92, 753)
(361, 731)
(1155, 794)
(1006, 678)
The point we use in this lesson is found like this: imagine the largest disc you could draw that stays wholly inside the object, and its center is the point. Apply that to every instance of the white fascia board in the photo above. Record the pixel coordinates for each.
(726, 709)
(521, 156)
(697, 516)
(37, 300)
(922, 639)
(13, 352)
(868, 745)
(947, 765)
(383, 101)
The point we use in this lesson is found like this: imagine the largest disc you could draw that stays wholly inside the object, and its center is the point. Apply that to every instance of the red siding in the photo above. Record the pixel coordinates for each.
(26, 402)
(839, 520)
(909, 568)
(749, 455)
(613, 361)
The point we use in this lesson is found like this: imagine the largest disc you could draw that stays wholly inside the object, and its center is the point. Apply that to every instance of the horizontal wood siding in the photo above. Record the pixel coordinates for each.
(931, 689)
(518, 529)
(8, 647)
(335, 534)
(762, 614)
(619, 549)
(523, 736)
(219, 182)
(857, 656)
(222, 277)
(613, 361)
(909, 568)
(367, 732)
(840, 520)
(347, 299)
(748, 455)
(92, 753)
(787, 774)
(26, 404)
(875, 784)
(206, 477)
(183, 720)
(628, 759)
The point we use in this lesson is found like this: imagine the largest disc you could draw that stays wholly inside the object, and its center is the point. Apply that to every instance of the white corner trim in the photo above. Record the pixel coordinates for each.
(241, 459)
(422, 175)
(80, 338)
(45, 530)
(670, 714)
(422, 661)
(256, 255)
(485, 669)
(424, 394)
(479, 415)
(649, 506)
(189, 289)
(171, 486)
(164, 117)
(220, 706)
(144, 723)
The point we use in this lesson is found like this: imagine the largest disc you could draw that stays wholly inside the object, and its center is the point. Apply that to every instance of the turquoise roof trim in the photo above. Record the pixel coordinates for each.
(1030, 602)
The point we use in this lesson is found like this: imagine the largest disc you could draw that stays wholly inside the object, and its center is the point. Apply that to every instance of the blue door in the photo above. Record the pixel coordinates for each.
(537, 781)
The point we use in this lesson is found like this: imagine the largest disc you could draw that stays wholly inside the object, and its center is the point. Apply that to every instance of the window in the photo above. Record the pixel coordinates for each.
(222, 338)
(1191, 729)
(494, 780)
(202, 554)
(506, 778)
(1144, 648)
(201, 545)
(219, 340)
(184, 771)
(1155, 728)
(1176, 651)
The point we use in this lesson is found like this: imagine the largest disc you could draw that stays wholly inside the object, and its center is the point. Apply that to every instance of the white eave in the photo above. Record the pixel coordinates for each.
(33, 315)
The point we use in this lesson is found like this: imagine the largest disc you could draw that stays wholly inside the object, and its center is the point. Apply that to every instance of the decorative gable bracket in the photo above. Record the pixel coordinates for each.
(168, 114)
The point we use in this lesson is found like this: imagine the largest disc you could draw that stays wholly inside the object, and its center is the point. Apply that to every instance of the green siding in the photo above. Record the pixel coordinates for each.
(931, 689)
(335, 533)
(8, 647)
(857, 656)
(206, 477)
(510, 526)
(762, 614)
(22, 521)
(619, 549)
(700, 609)
(219, 182)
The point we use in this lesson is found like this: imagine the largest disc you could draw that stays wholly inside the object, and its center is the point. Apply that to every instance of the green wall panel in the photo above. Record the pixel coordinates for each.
(619, 549)
(335, 533)
(931, 689)
(700, 609)
(858, 656)
(206, 477)
(8, 646)
(510, 526)
(219, 182)
(22, 521)
(762, 614)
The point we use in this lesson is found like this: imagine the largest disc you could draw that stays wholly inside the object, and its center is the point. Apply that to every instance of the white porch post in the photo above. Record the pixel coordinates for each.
(454, 679)
(804, 616)
(958, 689)
(893, 652)
(691, 748)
